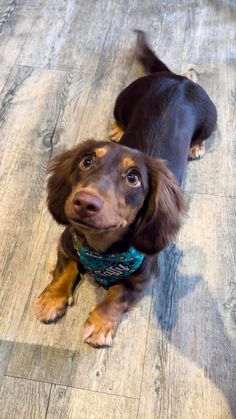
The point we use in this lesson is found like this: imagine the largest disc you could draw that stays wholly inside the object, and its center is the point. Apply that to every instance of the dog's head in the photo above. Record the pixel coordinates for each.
(103, 187)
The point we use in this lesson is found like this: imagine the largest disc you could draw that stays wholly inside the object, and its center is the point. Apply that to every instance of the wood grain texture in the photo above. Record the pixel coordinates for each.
(190, 362)
(23, 399)
(5, 354)
(29, 108)
(15, 26)
(70, 403)
(64, 33)
(55, 353)
(94, 87)
(210, 49)
(62, 65)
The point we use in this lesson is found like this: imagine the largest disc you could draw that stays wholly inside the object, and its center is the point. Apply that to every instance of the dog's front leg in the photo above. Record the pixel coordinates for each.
(53, 301)
(103, 319)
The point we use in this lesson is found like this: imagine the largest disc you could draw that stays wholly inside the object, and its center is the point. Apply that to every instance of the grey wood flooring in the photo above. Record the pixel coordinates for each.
(62, 64)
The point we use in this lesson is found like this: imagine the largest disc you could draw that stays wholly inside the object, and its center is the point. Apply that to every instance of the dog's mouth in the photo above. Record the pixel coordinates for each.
(80, 223)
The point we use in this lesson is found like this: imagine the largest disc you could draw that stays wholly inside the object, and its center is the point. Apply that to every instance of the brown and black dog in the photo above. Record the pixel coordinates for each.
(121, 203)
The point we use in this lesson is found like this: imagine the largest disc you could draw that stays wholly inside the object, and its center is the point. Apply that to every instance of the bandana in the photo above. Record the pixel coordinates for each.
(109, 268)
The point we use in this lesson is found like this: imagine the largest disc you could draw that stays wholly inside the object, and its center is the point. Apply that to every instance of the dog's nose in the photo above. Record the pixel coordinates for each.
(86, 204)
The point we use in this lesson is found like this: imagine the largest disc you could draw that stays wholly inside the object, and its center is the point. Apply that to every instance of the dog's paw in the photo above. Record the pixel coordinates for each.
(116, 132)
(197, 151)
(192, 74)
(98, 330)
(50, 306)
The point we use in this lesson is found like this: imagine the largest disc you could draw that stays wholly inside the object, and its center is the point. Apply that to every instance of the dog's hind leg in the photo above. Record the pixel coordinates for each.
(116, 132)
(207, 115)
(197, 150)
(197, 146)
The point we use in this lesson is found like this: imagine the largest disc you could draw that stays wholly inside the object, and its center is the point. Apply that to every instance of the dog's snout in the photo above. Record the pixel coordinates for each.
(86, 204)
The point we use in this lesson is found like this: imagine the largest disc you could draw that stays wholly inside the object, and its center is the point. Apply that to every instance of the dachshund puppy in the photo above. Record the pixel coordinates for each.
(121, 203)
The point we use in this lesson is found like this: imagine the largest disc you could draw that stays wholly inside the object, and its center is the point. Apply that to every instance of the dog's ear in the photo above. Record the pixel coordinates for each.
(160, 217)
(59, 184)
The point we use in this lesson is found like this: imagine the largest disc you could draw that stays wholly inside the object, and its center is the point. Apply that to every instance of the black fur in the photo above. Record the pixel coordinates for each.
(163, 113)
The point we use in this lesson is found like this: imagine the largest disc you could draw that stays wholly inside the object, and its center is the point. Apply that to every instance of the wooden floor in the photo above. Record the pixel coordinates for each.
(62, 64)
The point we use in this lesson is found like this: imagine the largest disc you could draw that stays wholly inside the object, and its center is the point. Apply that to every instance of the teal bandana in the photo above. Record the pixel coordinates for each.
(109, 268)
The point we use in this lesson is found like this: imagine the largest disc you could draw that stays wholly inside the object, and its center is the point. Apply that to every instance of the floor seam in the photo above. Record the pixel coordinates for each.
(49, 397)
(71, 386)
(20, 50)
(208, 194)
(145, 348)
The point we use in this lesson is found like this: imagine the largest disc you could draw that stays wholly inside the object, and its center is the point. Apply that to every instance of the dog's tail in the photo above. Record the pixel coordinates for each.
(146, 56)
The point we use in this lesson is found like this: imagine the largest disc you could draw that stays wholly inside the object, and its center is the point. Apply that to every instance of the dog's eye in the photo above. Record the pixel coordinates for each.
(86, 162)
(133, 179)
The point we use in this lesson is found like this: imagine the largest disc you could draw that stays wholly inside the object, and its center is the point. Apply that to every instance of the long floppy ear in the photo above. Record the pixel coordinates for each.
(59, 184)
(162, 211)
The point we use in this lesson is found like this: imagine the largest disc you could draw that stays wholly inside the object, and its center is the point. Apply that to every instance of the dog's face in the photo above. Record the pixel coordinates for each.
(102, 187)
(108, 186)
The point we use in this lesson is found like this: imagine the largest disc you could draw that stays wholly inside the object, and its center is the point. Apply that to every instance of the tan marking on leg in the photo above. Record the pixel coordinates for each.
(128, 162)
(103, 319)
(100, 152)
(197, 150)
(116, 132)
(98, 329)
(53, 301)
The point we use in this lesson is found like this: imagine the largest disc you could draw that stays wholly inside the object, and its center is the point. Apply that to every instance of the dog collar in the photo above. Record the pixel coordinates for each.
(108, 268)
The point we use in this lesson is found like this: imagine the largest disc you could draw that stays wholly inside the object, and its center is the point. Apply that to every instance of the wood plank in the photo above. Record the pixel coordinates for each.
(68, 35)
(76, 123)
(23, 399)
(190, 364)
(30, 106)
(70, 403)
(15, 26)
(209, 48)
(55, 353)
(5, 354)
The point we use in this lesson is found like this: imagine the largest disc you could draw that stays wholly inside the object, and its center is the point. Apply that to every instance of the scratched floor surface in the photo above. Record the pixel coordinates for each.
(62, 64)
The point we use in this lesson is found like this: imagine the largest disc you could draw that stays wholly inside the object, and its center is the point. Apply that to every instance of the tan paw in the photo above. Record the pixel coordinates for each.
(98, 330)
(116, 132)
(50, 306)
(197, 151)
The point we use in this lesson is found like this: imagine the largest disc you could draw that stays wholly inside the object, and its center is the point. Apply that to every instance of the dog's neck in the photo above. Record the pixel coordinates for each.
(101, 242)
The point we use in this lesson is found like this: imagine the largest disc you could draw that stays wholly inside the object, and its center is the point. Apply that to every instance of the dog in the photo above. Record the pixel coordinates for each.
(121, 203)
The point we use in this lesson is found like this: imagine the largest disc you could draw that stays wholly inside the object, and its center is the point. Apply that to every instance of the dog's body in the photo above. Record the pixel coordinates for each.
(119, 202)
(169, 110)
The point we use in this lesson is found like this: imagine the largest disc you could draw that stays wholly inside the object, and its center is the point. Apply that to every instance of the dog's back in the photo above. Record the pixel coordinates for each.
(163, 113)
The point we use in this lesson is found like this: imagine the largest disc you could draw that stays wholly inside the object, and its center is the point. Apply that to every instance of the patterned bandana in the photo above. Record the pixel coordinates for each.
(109, 268)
